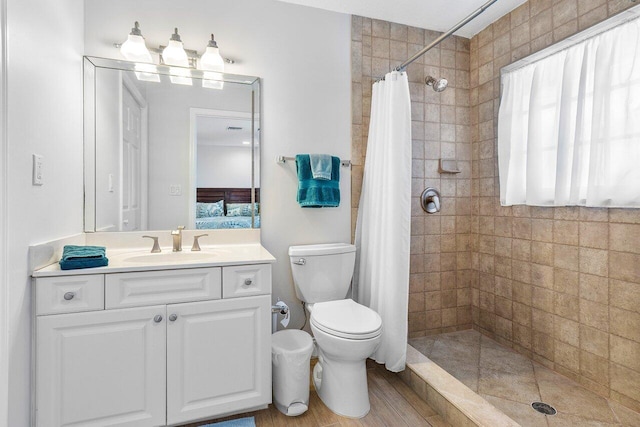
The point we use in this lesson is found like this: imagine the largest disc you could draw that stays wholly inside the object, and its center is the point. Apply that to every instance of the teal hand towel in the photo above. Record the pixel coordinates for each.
(75, 257)
(317, 193)
(321, 166)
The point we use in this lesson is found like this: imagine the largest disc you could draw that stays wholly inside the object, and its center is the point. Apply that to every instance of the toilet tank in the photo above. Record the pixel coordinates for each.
(322, 272)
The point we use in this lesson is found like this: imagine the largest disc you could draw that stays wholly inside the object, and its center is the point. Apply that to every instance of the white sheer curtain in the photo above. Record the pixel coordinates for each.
(569, 125)
(383, 230)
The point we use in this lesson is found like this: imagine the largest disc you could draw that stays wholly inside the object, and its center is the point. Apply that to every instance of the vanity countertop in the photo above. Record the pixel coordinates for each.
(139, 259)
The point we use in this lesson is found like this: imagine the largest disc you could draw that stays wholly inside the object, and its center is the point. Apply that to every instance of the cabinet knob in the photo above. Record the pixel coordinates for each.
(157, 319)
(248, 282)
(69, 296)
(173, 317)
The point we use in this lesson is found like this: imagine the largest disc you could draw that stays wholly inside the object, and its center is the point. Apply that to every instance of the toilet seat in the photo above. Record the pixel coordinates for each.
(346, 319)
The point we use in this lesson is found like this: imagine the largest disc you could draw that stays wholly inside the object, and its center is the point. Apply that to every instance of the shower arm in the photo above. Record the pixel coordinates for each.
(437, 41)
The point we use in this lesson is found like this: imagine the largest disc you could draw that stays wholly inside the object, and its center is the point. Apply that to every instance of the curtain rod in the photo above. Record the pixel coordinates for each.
(437, 41)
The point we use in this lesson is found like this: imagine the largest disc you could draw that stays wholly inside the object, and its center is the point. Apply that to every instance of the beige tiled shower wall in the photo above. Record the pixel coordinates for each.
(440, 286)
(561, 285)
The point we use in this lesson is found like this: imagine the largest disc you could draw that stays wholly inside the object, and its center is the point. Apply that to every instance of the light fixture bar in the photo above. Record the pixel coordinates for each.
(190, 52)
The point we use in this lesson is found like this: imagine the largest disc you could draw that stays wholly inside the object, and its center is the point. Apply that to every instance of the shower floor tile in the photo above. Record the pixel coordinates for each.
(511, 382)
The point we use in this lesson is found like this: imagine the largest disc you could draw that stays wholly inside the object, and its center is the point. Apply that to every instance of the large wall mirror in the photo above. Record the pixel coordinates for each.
(163, 150)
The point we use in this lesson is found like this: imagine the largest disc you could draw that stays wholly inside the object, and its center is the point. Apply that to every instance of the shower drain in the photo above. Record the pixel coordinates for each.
(544, 408)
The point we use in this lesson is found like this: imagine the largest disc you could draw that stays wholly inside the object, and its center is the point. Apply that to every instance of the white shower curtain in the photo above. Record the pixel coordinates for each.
(383, 230)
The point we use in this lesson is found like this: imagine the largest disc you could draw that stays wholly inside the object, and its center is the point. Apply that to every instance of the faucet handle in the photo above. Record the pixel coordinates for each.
(156, 246)
(196, 244)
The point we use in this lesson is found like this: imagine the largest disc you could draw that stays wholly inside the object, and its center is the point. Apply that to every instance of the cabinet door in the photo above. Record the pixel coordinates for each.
(218, 357)
(103, 368)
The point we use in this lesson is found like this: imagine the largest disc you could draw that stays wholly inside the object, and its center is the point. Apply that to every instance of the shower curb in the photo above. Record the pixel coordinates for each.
(456, 403)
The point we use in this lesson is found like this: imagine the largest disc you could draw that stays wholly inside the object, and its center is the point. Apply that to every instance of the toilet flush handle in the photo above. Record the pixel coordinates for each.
(301, 261)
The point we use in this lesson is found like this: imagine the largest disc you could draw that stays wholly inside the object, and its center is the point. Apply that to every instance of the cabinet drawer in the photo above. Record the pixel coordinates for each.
(69, 294)
(162, 287)
(245, 280)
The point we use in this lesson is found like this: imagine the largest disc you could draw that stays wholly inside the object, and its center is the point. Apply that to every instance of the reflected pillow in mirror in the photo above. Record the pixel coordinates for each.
(241, 209)
(208, 210)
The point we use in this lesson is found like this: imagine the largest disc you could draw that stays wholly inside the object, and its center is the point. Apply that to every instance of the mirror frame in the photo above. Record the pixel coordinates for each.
(89, 129)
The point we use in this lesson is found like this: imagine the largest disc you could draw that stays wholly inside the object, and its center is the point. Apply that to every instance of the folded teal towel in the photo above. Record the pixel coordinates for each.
(321, 166)
(317, 193)
(74, 257)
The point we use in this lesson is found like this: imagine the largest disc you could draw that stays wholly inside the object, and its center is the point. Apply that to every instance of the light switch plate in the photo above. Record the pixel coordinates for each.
(38, 161)
(175, 190)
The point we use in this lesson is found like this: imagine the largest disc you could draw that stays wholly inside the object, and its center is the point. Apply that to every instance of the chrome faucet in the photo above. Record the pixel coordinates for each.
(177, 238)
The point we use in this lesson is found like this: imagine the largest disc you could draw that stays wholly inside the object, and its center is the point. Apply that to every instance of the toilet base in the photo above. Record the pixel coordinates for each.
(342, 386)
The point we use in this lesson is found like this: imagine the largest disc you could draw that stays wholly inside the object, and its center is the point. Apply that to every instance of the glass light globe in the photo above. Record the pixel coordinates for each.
(174, 54)
(211, 60)
(134, 49)
(212, 64)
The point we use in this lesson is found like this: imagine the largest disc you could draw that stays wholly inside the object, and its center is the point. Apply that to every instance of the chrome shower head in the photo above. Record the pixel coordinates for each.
(438, 84)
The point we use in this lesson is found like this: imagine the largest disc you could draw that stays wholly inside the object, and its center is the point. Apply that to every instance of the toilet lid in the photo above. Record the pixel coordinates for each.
(346, 318)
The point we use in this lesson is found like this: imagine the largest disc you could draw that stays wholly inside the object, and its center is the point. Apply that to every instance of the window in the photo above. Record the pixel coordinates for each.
(569, 122)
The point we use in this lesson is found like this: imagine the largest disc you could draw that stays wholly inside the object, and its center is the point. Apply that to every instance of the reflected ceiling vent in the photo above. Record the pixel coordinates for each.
(234, 128)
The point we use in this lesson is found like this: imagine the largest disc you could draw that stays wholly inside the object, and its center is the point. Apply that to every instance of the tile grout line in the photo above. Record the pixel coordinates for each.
(479, 360)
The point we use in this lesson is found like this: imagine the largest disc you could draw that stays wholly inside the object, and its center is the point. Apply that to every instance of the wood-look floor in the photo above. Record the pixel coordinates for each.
(393, 404)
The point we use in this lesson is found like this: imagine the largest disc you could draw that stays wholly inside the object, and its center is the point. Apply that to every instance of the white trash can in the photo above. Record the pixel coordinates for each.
(290, 355)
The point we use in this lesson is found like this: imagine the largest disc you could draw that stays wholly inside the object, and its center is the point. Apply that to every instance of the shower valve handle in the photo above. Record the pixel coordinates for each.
(430, 200)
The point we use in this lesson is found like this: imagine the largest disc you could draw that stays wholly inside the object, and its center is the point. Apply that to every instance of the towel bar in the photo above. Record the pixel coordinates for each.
(283, 159)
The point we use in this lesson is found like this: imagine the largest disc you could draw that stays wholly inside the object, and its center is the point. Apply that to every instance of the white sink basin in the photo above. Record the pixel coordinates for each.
(169, 257)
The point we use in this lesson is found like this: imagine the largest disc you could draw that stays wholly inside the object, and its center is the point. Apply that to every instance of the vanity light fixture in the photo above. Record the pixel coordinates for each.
(212, 64)
(134, 49)
(174, 54)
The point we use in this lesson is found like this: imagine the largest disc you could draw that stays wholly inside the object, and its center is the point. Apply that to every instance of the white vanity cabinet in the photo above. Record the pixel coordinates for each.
(152, 348)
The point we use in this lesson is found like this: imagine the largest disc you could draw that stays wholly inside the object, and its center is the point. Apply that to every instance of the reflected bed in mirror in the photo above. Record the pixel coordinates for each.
(231, 208)
(152, 146)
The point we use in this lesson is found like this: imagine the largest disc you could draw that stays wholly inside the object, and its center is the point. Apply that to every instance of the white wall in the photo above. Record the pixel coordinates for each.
(303, 57)
(222, 166)
(4, 292)
(44, 98)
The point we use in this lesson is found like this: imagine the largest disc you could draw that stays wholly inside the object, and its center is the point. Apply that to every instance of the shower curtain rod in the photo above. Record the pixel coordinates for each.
(437, 41)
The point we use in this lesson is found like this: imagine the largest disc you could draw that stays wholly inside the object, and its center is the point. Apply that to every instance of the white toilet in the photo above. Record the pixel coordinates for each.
(346, 332)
